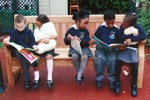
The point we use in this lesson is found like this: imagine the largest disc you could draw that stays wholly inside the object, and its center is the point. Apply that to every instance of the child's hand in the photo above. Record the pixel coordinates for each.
(136, 33)
(5, 41)
(76, 38)
(69, 37)
(46, 40)
(128, 41)
(92, 41)
(35, 47)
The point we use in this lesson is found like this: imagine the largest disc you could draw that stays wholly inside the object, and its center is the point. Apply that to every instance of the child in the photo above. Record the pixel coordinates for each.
(108, 33)
(24, 37)
(79, 31)
(45, 36)
(129, 54)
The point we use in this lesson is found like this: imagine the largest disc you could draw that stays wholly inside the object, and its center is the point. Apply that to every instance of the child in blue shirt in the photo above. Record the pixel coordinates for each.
(24, 37)
(130, 54)
(79, 31)
(108, 33)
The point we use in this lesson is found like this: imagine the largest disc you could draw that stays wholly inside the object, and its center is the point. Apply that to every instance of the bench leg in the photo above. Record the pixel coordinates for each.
(11, 81)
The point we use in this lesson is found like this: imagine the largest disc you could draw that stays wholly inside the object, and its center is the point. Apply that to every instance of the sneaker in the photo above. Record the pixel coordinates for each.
(49, 84)
(117, 88)
(134, 91)
(36, 84)
(26, 84)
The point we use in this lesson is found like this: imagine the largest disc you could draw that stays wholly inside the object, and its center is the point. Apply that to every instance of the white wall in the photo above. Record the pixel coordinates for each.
(53, 7)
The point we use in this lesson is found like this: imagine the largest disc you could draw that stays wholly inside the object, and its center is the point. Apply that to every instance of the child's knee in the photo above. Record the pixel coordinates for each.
(75, 57)
(48, 57)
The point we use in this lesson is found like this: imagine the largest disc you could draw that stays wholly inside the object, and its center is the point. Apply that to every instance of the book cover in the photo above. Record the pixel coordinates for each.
(30, 56)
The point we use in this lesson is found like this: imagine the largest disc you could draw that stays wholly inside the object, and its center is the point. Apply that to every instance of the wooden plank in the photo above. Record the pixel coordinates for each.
(141, 51)
(11, 81)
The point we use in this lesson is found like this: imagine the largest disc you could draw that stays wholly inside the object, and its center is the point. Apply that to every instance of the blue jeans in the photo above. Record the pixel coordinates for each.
(103, 59)
(25, 64)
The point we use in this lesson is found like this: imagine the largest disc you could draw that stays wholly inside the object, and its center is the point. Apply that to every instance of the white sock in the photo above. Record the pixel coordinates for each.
(36, 75)
(50, 69)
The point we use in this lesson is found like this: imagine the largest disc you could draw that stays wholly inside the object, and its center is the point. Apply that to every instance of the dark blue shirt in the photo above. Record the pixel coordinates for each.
(141, 36)
(83, 35)
(107, 35)
(24, 38)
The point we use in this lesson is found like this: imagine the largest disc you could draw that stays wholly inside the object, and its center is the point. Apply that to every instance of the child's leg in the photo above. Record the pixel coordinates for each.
(134, 73)
(118, 70)
(99, 64)
(76, 61)
(49, 67)
(82, 67)
(25, 66)
(36, 81)
(36, 71)
(111, 63)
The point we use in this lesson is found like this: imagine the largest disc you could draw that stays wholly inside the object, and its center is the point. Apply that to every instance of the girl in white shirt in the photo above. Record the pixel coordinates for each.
(45, 36)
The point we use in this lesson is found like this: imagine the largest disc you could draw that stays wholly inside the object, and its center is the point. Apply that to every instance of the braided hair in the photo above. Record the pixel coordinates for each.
(130, 19)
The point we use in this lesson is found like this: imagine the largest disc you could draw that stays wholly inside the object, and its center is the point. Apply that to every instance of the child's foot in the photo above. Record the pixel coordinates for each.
(98, 84)
(36, 84)
(78, 81)
(134, 91)
(117, 88)
(26, 84)
(49, 84)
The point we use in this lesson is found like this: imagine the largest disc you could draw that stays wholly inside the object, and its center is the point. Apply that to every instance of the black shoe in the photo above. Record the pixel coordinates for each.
(98, 84)
(78, 81)
(82, 78)
(26, 84)
(134, 91)
(117, 88)
(36, 84)
(49, 84)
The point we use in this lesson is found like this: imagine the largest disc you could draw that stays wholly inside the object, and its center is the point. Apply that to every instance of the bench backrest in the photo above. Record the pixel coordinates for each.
(63, 23)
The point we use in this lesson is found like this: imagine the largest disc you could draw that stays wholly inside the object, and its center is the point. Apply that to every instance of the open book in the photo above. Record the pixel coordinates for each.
(100, 43)
(75, 44)
(26, 52)
(108, 47)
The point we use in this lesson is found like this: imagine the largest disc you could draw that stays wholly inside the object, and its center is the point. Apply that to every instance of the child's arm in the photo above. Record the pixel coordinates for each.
(67, 37)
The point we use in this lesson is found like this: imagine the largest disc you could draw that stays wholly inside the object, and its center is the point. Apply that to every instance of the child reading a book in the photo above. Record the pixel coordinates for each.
(107, 33)
(130, 54)
(24, 37)
(45, 36)
(79, 32)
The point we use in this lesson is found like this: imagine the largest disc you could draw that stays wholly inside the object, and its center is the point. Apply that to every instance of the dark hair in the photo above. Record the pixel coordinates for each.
(42, 18)
(109, 15)
(20, 18)
(130, 18)
(80, 15)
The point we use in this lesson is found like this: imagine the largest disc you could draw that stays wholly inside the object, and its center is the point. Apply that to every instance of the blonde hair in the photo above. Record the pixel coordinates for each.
(20, 18)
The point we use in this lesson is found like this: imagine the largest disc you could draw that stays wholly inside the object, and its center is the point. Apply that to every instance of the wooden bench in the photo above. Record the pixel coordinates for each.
(62, 24)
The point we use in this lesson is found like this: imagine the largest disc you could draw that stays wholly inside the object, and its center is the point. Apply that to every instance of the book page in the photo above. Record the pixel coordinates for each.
(75, 44)
(31, 57)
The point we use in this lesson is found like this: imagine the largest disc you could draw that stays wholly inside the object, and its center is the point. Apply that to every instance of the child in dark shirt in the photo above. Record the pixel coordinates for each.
(24, 37)
(79, 31)
(108, 33)
(130, 54)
